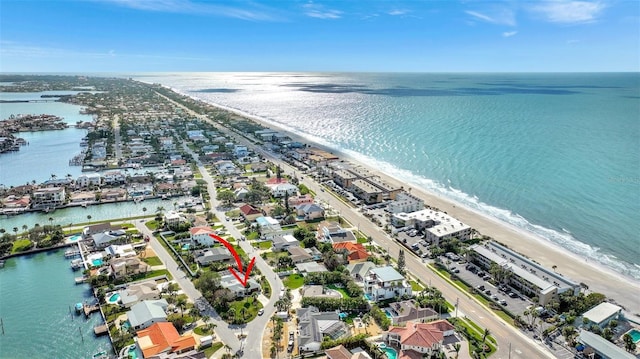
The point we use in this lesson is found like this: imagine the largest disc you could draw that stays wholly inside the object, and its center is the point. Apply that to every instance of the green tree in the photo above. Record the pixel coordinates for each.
(629, 345)
(401, 262)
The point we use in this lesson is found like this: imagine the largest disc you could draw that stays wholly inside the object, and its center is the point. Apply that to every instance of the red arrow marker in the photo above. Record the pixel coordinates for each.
(246, 273)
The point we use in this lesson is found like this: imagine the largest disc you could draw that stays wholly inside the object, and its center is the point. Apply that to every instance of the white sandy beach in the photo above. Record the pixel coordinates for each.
(623, 290)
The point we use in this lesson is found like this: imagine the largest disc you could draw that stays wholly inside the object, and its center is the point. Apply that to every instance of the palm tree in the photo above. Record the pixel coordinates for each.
(485, 334)
(456, 347)
(25, 227)
(366, 319)
(50, 220)
(88, 217)
(629, 345)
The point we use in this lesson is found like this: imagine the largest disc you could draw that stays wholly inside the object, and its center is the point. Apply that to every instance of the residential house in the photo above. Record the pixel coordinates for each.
(163, 338)
(229, 281)
(16, 202)
(202, 236)
(354, 252)
(282, 189)
(301, 199)
(82, 197)
(113, 177)
(332, 232)
(311, 267)
(48, 197)
(315, 325)
(138, 292)
(299, 255)
(358, 271)
(383, 283)
(173, 218)
(120, 251)
(89, 231)
(319, 291)
(603, 313)
(122, 267)
(340, 352)
(240, 151)
(281, 243)
(310, 211)
(226, 168)
(419, 339)
(113, 194)
(527, 276)
(409, 311)
(240, 193)
(145, 313)
(89, 180)
(210, 255)
(249, 212)
(102, 240)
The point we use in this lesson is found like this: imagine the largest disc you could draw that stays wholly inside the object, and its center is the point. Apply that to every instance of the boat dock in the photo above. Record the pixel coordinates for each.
(88, 309)
(71, 253)
(80, 280)
(100, 329)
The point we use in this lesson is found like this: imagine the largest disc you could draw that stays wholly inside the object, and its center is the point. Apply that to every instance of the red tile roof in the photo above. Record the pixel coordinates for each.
(276, 180)
(248, 210)
(356, 251)
(200, 230)
(422, 334)
(164, 337)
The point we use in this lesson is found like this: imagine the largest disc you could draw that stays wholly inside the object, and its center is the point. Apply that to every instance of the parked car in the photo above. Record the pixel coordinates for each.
(261, 311)
(480, 287)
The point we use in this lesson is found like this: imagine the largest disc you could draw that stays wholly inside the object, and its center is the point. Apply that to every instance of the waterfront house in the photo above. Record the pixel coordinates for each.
(89, 180)
(103, 239)
(315, 326)
(409, 310)
(145, 313)
(120, 251)
(340, 352)
(113, 177)
(162, 339)
(383, 283)
(82, 197)
(602, 314)
(138, 292)
(122, 267)
(201, 236)
(173, 218)
(354, 252)
(48, 198)
(89, 231)
(113, 194)
(310, 211)
(16, 202)
(419, 339)
(319, 291)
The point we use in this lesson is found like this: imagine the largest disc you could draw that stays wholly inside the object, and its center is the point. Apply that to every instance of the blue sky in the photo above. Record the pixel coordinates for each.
(348, 35)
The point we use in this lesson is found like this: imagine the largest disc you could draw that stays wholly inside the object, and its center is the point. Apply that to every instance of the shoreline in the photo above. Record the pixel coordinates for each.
(599, 277)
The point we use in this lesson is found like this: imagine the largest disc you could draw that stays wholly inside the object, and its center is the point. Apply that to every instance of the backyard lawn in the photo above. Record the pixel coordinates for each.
(294, 281)
(153, 261)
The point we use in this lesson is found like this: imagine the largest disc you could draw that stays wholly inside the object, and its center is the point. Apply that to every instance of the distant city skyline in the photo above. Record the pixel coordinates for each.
(393, 36)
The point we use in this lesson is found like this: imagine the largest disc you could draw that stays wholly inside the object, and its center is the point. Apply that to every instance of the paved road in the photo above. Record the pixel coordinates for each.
(116, 135)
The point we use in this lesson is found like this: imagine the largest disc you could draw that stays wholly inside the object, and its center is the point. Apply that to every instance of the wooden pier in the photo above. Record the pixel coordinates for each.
(100, 329)
(88, 309)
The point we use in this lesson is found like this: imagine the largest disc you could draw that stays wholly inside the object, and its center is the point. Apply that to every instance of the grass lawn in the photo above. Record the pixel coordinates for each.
(152, 225)
(251, 307)
(253, 235)
(201, 330)
(415, 286)
(294, 281)
(264, 245)
(21, 245)
(212, 349)
(341, 290)
(155, 273)
(153, 261)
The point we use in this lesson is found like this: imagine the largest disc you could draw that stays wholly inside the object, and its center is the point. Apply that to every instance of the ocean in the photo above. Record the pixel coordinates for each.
(554, 154)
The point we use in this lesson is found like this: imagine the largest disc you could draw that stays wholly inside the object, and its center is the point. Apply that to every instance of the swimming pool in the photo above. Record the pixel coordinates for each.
(387, 313)
(635, 335)
(96, 262)
(75, 238)
(114, 298)
(368, 296)
(133, 352)
(391, 353)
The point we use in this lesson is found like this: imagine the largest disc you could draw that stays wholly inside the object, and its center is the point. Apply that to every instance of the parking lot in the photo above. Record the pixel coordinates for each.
(515, 303)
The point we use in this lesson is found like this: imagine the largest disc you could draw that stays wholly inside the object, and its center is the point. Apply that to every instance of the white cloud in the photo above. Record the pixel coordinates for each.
(398, 12)
(259, 13)
(509, 33)
(569, 12)
(320, 12)
(495, 16)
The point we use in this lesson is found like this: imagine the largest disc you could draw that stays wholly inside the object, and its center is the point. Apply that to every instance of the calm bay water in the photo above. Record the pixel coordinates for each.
(554, 154)
(48, 152)
(36, 293)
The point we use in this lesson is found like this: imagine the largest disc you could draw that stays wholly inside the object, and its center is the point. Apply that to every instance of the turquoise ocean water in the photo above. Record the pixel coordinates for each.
(554, 154)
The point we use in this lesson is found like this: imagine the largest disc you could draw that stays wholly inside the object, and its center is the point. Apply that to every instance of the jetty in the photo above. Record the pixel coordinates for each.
(88, 309)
